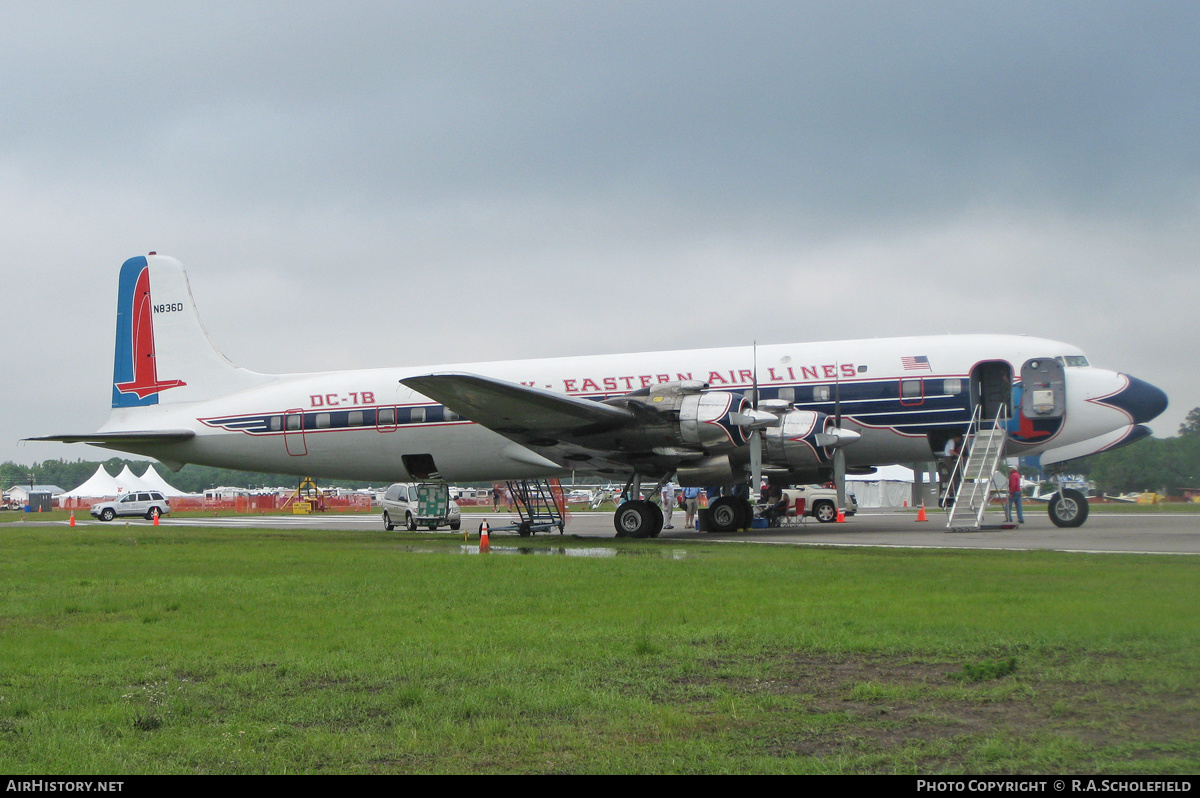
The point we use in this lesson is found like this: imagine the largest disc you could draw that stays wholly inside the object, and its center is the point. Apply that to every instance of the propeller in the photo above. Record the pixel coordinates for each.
(755, 432)
(839, 453)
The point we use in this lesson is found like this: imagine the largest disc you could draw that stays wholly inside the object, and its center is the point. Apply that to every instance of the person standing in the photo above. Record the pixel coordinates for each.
(1014, 496)
(691, 503)
(668, 504)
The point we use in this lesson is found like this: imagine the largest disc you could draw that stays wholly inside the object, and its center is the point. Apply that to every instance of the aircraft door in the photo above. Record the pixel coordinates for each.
(293, 433)
(1043, 388)
(991, 388)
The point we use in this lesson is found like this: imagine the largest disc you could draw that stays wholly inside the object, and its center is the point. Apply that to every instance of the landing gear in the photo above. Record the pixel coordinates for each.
(1069, 508)
(638, 519)
(730, 513)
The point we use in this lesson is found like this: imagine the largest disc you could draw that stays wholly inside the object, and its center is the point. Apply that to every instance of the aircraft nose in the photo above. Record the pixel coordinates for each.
(1141, 400)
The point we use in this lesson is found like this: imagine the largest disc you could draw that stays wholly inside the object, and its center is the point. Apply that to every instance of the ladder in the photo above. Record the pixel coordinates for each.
(982, 451)
(540, 505)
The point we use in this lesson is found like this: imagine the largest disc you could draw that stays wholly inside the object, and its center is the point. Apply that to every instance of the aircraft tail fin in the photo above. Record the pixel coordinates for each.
(163, 355)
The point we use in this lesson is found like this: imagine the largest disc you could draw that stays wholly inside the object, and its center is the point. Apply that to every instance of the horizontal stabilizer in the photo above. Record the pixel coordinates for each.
(128, 437)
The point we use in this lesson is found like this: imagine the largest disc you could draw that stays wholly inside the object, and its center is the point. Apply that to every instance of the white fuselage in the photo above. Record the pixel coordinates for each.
(359, 424)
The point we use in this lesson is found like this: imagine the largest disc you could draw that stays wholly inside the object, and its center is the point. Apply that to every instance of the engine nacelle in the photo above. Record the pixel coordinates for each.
(794, 443)
(718, 470)
(705, 421)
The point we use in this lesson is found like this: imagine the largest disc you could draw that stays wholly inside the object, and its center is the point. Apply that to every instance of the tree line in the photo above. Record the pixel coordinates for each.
(1164, 465)
(69, 475)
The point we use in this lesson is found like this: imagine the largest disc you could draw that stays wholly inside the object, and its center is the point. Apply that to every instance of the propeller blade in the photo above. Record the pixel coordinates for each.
(755, 462)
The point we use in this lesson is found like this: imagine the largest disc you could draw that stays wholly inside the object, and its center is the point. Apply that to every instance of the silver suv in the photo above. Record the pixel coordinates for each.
(147, 504)
(415, 504)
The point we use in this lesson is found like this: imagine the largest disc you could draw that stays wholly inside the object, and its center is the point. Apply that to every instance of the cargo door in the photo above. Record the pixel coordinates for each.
(1043, 389)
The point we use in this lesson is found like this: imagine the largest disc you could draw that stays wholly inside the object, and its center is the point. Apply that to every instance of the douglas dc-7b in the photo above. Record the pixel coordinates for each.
(793, 412)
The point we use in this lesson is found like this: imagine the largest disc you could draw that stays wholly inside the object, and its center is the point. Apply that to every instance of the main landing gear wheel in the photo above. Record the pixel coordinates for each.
(729, 514)
(1069, 508)
(638, 519)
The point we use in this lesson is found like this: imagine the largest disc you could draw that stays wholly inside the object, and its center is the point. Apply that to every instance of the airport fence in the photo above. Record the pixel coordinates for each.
(267, 503)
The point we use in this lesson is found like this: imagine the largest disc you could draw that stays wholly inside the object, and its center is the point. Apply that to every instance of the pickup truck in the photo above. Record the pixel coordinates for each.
(820, 502)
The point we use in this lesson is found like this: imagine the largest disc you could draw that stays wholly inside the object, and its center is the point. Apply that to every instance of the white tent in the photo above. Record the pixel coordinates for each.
(129, 481)
(154, 481)
(99, 485)
(889, 486)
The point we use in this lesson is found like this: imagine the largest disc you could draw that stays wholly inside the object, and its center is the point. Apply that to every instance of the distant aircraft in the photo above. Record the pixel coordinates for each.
(798, 413)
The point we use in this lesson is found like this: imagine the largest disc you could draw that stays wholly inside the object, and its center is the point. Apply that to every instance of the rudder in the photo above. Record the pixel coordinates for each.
(162, 353)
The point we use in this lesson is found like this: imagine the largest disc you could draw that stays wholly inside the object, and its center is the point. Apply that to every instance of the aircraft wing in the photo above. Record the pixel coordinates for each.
(567, 430)
(511, 409)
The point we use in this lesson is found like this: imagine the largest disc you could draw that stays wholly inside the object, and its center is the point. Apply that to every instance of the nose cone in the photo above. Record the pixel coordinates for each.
(1141, 400)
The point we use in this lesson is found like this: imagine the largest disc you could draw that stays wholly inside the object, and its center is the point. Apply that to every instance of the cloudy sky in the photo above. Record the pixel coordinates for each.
(359, 184)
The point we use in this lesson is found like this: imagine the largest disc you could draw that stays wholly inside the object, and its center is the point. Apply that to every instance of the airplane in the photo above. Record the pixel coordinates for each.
(796, 413)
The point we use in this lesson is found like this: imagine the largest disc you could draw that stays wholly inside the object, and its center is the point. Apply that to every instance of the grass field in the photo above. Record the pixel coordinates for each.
(177, 650)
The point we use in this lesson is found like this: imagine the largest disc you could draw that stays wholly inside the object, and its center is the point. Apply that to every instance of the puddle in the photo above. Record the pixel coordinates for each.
(677, 554)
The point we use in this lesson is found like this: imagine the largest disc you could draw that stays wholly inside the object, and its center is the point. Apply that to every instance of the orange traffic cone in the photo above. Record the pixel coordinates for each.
(483, 537)
(921, 513)
(841, 516)
(155, 519)
(72, 518)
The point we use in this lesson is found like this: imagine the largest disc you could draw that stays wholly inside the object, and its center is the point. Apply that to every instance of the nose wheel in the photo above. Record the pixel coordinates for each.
(1068, 509)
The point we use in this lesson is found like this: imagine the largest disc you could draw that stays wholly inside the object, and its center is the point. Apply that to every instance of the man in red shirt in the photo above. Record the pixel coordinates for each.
(1014, 496)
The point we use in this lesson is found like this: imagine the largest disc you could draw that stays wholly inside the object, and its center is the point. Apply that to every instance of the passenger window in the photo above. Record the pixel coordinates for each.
(820, 393)
(276, 423)
(417, 415)
(355, 418)
(322, 421)
(387, 415)
(912, 392)
(293, 421)
(952, 387)
(787, 394)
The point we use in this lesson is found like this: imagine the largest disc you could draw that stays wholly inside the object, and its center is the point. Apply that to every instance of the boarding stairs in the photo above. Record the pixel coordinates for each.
(974, 472)
(540, 504)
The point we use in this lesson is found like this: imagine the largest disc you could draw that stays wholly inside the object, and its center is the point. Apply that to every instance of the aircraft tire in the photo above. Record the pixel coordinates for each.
(656, 520)
(726, 513)
(387, 523)
(634, 519)
(1068, 509)
(410, 523)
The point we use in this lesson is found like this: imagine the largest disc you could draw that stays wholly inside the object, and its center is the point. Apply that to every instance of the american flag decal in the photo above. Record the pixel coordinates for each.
(916, 363)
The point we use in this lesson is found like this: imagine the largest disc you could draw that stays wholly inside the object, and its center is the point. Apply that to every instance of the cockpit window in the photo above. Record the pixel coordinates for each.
(1072, 360)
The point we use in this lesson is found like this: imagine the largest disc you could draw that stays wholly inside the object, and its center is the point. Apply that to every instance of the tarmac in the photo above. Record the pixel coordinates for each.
(1155, 532)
